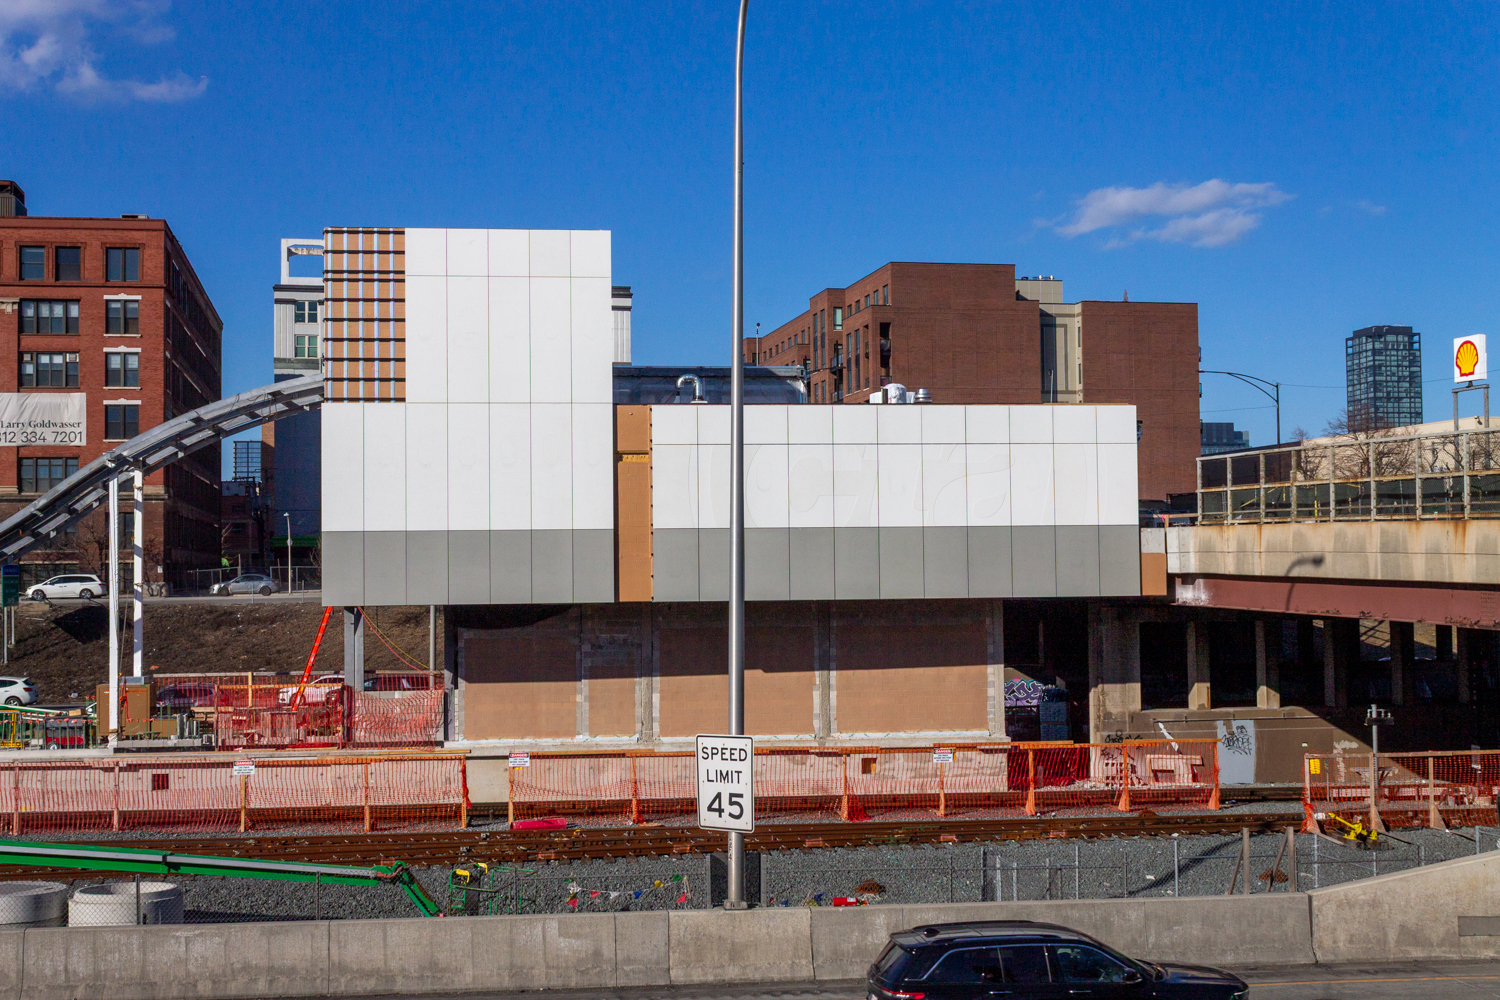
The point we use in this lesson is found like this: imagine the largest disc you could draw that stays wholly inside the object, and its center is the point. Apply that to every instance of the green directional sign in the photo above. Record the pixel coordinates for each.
(10, 585)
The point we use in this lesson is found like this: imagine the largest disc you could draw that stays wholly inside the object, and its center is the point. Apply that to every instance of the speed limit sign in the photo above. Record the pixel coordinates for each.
(726, 783)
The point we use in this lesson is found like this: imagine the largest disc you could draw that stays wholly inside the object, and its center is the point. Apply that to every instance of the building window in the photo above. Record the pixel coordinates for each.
(49, 370)
(121, 422)
(33, 263)
(38, 475)
(122, 318)
(307, 345)
(838, 318)
(122, 369)
(885, 295)
(305, 312)
(68, 264)
(122, 264)
(38, 316)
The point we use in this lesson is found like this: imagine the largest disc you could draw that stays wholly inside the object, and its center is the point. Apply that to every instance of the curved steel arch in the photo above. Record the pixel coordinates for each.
(163, 444)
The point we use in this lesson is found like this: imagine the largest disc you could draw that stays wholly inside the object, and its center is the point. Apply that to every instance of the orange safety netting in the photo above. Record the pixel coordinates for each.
(1435, 789)
(221, 793)
(972, 781)
(245, 713)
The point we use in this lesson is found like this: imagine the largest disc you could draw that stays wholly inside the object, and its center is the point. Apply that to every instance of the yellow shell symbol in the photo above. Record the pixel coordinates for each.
(1467, 358)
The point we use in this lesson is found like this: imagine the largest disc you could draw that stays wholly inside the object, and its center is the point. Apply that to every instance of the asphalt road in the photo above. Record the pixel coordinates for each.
(1427, 980)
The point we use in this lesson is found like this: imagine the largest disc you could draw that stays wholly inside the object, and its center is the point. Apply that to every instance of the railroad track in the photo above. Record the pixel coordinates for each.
(521, 847)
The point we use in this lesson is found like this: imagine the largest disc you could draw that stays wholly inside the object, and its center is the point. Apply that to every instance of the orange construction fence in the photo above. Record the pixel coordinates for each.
(858, 783)
(1436, 789)
(222, 793)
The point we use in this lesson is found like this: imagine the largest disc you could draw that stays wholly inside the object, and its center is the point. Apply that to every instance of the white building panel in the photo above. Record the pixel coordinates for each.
(593, 349)
(945, 474)
(1031, 425)
(810, 483)
(713, 484)
(855, 424)
(344, 466)
(510, 340)
(1116, 424)
(674, 486)
(468, 252)
(988, 485)
(856, 493)
(468, 338)
(713, 423)
(941, 424)
(809, 424)
(987, 424)
(551, 466)
(674, 425)
(590, 252)
(1076, 479)
(1073, 425)
(1031, 477)
(426, 252)
(898, 424)
(385, 464)
(551, 340)
(551, 254)
(899, 467)
(509, 253)
(426, 339)
(1119, 486)
(593, 466)
(510, 466)
(426, 466)
(766, 424)
(468, 466)
(766, 500)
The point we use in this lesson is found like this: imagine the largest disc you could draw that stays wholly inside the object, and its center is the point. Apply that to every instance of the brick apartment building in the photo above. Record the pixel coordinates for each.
(109, 313)
(974, 333)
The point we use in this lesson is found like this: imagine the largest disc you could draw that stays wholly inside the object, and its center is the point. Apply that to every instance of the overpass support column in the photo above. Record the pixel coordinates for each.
(1114, 670)
(1403, 648)
(1200, 697)
(1463, 643)
(354, 648)
(1340, 640)
(1267, 679)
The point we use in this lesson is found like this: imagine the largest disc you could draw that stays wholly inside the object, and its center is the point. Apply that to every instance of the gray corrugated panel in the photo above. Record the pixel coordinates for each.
(1119, 560)
(427, 567)
(1034, 560)
(594, 566)
(343, 568)
(552, 566)
(1077, 560)
(900, 562)
(945, 562)
(469, 567)
(385, 568)
(674, 564)
(856, 563)
(713, 564)
(510, 567)
(768, 572)
(990, 562)
(810, 559)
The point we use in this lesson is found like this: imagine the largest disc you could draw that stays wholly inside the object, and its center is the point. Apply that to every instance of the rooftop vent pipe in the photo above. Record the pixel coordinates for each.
(697, 387)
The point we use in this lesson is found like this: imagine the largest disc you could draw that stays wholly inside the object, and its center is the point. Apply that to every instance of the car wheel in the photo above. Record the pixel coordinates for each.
(265, 591)
(38, 595)
(85, 593)
(13, 700)
(54, 745)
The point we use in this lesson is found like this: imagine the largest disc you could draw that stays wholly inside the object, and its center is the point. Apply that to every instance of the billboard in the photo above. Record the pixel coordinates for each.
(1470, 363)
(43, 418)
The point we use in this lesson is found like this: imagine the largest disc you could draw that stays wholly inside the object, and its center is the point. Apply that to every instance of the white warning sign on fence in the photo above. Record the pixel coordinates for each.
(942, 755)
(243, 768)
(520, 758)
(726, 783)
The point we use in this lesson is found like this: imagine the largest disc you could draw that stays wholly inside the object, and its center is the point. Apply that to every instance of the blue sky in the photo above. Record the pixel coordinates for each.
(1299, 171)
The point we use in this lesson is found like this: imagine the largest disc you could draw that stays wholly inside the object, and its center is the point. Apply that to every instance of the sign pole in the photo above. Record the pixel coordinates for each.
(114, 609)
(735, 895)
(137, 542)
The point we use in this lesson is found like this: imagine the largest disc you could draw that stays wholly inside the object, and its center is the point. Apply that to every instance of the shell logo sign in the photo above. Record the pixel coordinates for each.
(1469, 359)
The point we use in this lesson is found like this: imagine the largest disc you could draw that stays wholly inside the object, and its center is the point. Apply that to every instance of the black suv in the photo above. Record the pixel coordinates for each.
(1020, 959)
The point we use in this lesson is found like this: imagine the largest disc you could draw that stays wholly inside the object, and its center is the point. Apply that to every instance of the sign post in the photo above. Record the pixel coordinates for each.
(726, 783)
(10, 596)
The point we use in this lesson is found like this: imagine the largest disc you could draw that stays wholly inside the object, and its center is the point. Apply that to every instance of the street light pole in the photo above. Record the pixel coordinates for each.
(734, 897)
(1274, 393)
(288, 515)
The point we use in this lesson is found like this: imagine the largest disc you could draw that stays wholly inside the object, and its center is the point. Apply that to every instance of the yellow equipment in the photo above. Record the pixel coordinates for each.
(1355, 831)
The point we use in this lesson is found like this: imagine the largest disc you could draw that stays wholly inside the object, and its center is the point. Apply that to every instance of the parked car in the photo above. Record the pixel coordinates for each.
(1021, 959)
(17, 691)
(248, 583)
(316, 692)
(72, 585)
(185, 695)
(398, 682)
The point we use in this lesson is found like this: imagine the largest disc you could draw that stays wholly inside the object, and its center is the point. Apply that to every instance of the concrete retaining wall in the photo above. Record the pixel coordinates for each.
(1448, 910)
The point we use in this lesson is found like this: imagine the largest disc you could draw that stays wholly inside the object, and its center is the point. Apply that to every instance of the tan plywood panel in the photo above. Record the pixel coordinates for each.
(779, 680)
(890, 679)
(520, 684)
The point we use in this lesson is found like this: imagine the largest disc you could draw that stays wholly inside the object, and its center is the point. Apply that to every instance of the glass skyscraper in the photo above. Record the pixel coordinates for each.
(1383, 365)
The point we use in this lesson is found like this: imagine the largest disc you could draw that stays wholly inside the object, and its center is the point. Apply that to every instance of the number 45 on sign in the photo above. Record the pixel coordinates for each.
(726, 783)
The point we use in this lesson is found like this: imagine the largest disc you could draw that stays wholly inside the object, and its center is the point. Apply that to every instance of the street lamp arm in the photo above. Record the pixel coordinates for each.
(1256, 382)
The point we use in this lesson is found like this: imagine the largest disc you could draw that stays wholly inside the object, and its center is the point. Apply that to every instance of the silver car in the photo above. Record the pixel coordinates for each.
(83, 585)
(248, 583)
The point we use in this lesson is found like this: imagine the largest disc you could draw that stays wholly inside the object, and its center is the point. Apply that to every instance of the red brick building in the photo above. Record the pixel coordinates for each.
(974, 333)
(112, 310)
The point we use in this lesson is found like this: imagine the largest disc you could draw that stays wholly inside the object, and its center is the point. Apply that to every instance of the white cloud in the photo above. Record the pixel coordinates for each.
(1369, 207)
(1210, 214)
(47, 43)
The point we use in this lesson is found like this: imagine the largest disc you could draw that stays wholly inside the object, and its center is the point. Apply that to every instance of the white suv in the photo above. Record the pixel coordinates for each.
(73, 585)
(17, 691)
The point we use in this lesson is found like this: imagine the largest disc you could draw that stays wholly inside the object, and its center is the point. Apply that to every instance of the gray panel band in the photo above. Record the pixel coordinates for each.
(343, 555)
(468, 567)
(945, 562)
(674, 564)
(426, 567)
(768, 574)
(1034, 560)
(810, 560)
(385, 568)
(1077, 560)
(856, 563)
(593, 565)
(900, 562)
(510, 567)
(552, 566)
(1119, 560)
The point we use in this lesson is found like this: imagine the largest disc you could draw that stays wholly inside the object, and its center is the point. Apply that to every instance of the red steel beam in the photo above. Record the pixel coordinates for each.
(1325, 598)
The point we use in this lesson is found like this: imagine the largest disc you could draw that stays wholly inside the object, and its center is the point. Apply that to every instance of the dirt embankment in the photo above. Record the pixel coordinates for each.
(64, 648)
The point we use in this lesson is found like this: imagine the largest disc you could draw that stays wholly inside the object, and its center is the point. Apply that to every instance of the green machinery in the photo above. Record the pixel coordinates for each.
(481, 889)
(92, 857)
